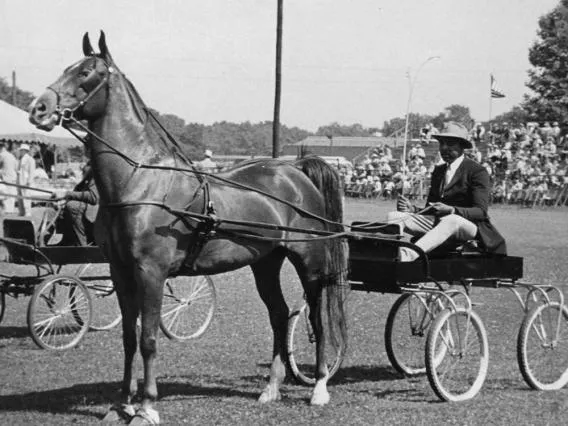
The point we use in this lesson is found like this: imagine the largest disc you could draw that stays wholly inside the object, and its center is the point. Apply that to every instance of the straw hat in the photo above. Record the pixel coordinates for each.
(453, 131)
(208, 153)
(25, 146)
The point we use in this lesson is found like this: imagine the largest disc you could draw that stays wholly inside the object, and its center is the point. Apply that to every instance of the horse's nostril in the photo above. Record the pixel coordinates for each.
(41, 107)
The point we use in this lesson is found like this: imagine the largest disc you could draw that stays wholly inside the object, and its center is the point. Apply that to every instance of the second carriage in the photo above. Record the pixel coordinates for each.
(72, 292)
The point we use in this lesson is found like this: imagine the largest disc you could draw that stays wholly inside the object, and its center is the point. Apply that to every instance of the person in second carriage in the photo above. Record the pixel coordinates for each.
(457, 204)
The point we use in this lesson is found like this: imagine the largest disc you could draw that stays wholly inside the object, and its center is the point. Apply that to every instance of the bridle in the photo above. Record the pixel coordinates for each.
(68, 114)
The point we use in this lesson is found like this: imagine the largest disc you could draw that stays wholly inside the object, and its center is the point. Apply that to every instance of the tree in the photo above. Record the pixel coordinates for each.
(458, 113)
(336, 129)
(549, 57)
(23, 98)
(516, 115)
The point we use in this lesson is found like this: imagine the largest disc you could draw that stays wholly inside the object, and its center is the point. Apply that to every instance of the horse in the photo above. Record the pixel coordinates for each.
(160, 216)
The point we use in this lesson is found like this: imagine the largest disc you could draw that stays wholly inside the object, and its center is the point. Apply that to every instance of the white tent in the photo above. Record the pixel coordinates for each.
(15, 126)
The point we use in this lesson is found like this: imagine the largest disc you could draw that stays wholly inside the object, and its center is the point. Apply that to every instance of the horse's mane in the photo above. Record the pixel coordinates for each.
(164, 142)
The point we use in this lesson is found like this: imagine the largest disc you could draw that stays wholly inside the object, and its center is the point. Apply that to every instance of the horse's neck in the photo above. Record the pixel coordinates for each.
(123, 128)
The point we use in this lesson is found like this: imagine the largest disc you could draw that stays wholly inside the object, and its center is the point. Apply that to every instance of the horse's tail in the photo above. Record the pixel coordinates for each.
(334, 282)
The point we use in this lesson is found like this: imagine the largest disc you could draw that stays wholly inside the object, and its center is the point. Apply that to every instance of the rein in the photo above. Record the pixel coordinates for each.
(66, 115)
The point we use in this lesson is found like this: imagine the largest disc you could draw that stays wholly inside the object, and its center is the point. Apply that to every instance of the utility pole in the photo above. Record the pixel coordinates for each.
(278, 83)
(14, 88)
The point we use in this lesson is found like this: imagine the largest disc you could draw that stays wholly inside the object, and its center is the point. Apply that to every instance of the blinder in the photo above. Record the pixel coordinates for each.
(67, 114)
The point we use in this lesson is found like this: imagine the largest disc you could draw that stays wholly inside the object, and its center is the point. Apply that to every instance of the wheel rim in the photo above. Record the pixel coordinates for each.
(459, 374)
(188, 306)
(546, 348)
(302, 349)
(406, 330)
(106, 310)
(2, 305)
(59, 313)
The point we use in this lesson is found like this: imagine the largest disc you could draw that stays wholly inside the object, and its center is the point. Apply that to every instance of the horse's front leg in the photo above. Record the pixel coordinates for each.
(150, 291)
(124, 410)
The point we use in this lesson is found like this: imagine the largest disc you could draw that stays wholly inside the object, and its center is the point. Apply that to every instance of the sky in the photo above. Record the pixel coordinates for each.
(345, 61)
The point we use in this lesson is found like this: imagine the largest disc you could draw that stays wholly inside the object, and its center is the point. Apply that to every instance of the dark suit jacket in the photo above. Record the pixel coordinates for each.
(86, 191)
(468, 192)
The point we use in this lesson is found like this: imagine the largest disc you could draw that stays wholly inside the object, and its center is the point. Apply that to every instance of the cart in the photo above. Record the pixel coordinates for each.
(432, 327)
(64, 306)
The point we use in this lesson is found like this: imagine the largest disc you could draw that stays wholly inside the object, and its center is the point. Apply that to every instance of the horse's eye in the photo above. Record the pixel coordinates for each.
(84, 73)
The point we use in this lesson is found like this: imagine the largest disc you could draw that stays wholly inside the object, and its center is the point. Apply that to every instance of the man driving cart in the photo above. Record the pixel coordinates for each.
(457, 204)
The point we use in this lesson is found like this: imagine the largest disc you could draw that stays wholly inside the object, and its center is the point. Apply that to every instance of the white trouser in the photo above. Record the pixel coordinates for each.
(432, 234)
(9, 201)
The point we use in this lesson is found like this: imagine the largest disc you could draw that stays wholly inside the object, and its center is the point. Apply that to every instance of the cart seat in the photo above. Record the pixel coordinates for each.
(21, 229)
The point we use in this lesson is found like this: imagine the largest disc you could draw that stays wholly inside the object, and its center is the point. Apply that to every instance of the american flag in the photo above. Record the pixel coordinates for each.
(495, 91)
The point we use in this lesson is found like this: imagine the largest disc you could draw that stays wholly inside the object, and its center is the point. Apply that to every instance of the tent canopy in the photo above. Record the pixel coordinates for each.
(15, 126)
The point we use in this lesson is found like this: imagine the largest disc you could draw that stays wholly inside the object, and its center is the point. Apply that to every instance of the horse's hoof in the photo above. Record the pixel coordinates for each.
(145, 416)
(320, 398)
(121, 413)
(269, 395)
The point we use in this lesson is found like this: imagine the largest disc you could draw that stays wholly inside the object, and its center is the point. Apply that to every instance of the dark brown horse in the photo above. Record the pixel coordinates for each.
(159, 217)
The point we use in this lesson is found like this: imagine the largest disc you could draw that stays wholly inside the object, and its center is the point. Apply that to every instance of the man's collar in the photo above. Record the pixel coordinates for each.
(456, 163)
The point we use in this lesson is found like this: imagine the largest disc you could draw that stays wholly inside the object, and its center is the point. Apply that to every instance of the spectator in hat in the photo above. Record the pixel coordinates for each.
(207, 164)
(26, 170)
(8, 174)
(457, 205)
(555, 131)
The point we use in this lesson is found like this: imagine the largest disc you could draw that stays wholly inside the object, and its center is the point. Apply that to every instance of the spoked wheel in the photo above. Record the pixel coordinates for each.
(542, 347)
(188, 306)
(301, 344)
(459, 374)
(106, 310)
(406, 329)
(59, 313)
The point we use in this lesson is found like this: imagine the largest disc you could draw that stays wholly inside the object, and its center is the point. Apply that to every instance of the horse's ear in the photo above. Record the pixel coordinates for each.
(105, 54)
(87, 48)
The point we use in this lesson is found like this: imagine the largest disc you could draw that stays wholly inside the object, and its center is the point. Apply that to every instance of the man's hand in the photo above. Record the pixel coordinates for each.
(440, 209)
(403, 204)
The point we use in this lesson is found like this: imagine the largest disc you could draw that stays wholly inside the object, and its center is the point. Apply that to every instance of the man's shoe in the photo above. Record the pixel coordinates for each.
(406, 254)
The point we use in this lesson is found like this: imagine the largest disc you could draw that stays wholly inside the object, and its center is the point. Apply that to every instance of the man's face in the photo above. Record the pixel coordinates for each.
(450, 150)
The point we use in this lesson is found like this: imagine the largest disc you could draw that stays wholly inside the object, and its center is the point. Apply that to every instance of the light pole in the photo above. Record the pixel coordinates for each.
(411, 83)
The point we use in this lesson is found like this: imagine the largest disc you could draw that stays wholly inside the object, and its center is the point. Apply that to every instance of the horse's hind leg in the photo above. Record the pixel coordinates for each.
(312, 288)
(307, 260)
(267, 277)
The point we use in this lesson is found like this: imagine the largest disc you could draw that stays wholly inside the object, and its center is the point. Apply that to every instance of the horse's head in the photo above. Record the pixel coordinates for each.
(80, 92)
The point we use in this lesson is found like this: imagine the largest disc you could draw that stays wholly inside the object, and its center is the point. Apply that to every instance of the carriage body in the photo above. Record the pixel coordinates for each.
(433, 327)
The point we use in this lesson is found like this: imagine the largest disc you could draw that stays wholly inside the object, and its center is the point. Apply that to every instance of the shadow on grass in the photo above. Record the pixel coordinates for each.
(346, 375)
(13, 332)
(64, 400)
(77, 399)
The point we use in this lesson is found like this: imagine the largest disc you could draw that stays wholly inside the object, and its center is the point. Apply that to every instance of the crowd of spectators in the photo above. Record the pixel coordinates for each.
(379, 175)
(527, 163)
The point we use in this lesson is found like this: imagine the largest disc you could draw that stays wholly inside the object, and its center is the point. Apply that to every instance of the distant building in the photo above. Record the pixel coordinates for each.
(339, 146)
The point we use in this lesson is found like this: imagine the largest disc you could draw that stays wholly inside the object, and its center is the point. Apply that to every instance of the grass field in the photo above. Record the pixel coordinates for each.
(216, 379)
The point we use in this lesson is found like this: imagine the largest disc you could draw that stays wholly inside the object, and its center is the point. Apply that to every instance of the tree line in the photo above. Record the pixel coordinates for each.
(547, 100)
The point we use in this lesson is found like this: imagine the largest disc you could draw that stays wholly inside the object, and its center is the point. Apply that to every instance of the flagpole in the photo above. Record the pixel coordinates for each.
(490, 96)
(490, 105)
